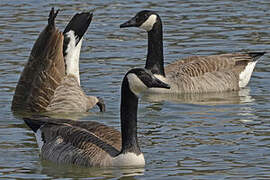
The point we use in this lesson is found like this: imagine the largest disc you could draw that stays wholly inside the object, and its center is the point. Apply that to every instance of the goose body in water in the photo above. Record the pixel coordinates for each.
(195, 74)
(50, 81)
(89, 144)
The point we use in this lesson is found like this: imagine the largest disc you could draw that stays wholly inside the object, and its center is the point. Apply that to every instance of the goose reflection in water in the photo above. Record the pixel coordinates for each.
(232, 97)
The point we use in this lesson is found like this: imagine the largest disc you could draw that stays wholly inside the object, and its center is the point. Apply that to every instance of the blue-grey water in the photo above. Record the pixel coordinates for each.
(211, 136)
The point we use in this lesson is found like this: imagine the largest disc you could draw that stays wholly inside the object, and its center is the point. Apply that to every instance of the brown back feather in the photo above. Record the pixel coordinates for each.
(199, 65)
(80, 143)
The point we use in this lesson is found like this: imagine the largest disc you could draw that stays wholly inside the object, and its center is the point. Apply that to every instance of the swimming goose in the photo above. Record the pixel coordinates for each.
(94, 144)
(50, 81)
(195, 74)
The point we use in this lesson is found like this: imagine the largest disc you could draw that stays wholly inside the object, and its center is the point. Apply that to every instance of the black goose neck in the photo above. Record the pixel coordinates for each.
(155, 59)
(129, 107)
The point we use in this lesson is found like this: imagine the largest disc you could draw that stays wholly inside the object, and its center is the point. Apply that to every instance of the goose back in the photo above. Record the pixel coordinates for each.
(77, 142)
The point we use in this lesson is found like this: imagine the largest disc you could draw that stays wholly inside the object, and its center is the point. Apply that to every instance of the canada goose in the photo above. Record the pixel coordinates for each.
(50, 81)
(94, 144)
(195, 74)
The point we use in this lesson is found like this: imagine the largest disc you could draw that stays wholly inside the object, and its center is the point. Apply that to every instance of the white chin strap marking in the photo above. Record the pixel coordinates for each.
(135, 84)
(149, 23)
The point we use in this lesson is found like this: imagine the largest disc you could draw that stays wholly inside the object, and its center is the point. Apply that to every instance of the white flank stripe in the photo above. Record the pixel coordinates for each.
(245, 75)
(128, 159)
(39, 139)
(73, 55)
(149, 23)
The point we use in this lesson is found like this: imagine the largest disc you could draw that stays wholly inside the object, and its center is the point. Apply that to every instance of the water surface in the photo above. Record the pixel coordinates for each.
(212, 136)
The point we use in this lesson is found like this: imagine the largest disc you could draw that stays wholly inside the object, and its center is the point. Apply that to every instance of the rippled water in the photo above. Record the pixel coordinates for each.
(211, 136)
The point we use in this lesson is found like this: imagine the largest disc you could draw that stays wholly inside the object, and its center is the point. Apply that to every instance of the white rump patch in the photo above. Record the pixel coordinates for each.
(73, 55)
(128, 159)
(245, 75)
(40, 142)
(149, 23)
(135, 84)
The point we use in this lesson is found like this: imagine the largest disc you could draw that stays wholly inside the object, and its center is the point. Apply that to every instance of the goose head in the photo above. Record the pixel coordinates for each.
(144, 20)
(141, 79)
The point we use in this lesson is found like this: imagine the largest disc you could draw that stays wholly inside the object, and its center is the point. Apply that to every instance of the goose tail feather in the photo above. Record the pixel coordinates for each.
(256, 55)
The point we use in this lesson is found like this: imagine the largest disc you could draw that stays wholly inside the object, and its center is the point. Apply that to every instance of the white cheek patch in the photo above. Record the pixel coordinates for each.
(245, 75)
(149, 23)
(135, 84)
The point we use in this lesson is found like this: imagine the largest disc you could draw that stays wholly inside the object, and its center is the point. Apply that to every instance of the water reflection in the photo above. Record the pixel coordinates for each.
(20, 114)
(235, 97)
(63, 171)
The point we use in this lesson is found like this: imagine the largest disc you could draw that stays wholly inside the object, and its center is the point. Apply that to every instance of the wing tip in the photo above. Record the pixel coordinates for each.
(256, 55)
(33, 124)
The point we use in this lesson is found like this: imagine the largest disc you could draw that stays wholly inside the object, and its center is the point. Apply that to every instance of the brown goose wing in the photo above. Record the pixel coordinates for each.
(77, 142)
(199, 65)
(43, 71)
